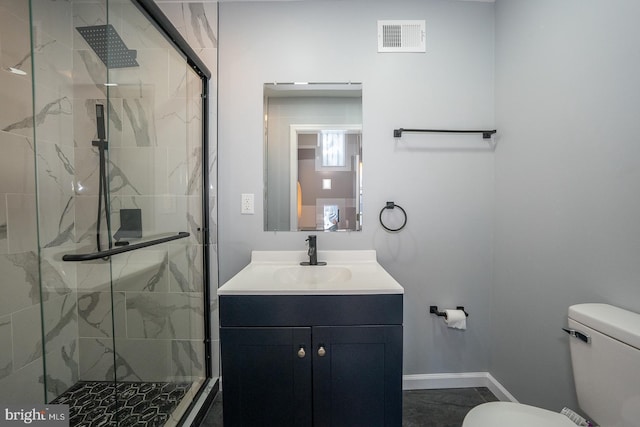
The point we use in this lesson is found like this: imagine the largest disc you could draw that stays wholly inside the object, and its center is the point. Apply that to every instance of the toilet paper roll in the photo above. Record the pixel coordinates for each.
(456, 319)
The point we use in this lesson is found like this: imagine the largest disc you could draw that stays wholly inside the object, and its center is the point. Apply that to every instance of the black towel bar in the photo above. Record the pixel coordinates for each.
(486, 134)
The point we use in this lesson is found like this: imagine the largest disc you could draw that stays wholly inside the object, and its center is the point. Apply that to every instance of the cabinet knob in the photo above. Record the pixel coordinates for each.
(301, 353)
(321, 351)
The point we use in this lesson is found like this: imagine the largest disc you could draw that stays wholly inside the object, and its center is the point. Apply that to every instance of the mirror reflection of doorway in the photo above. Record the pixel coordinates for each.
(305, 107)
(328, 184)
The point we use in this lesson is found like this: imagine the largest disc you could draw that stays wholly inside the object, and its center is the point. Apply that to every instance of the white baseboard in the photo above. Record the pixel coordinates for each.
(457, 380)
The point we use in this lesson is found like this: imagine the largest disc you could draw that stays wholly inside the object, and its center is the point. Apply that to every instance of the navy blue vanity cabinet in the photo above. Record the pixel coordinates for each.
(312, 360)
(357, 379)
(268, 372)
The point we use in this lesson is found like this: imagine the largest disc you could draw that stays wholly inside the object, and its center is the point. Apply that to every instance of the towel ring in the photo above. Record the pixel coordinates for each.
(391, 205)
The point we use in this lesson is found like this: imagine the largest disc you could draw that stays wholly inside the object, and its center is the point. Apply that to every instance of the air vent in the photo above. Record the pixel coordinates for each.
(402, 36)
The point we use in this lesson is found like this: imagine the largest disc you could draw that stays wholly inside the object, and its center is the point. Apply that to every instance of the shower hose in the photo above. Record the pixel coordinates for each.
(103, 193)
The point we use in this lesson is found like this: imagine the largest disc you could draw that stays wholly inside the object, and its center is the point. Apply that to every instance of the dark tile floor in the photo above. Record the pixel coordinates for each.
(103, 403)
(420, 408)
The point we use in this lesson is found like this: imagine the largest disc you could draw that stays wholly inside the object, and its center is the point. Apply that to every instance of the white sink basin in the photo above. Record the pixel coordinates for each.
(312, 275)
(280, 273)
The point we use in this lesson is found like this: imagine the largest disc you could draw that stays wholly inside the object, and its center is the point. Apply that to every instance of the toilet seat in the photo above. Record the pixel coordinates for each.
(509, 414)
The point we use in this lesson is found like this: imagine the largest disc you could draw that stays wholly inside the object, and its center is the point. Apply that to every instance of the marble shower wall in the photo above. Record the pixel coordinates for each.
(198, 24)
(52, 34)
(48, 204)
(155, 164)
(33, 283)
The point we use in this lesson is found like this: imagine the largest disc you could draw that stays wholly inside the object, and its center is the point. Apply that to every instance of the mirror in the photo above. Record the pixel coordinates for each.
(313, 156)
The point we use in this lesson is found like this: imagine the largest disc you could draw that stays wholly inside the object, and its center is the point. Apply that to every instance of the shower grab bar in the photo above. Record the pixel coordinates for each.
(486, 134)
(123, 249)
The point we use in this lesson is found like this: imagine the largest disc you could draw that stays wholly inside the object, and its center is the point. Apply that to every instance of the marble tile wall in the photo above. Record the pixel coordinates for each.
(38, 198)
(198, 24)
(21, 366)
(52, 39)
(155, 165)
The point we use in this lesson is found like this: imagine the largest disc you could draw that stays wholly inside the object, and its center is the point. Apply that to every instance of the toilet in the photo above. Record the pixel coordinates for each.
(605, 355)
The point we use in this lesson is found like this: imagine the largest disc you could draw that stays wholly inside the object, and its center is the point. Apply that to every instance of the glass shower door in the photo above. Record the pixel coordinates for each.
(123, 336)
(67, 335)
(21, 367)
(156, 189)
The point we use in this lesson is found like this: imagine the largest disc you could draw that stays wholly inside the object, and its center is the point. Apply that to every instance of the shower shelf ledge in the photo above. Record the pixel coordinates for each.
(122, 249)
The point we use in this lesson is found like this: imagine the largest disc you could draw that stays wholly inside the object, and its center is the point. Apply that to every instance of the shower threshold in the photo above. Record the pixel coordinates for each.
(103, 403)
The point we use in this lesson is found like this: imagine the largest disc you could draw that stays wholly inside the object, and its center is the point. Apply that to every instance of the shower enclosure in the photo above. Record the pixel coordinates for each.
(104, 241)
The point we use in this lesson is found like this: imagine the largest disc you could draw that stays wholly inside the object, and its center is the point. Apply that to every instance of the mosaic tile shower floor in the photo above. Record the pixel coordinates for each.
(94, 404)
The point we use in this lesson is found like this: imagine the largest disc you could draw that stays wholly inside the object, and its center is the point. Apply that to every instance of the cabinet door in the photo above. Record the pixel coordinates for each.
(357, 376)
(266, 382)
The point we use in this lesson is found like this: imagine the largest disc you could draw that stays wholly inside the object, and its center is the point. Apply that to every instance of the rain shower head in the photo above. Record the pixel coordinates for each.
(107, 44)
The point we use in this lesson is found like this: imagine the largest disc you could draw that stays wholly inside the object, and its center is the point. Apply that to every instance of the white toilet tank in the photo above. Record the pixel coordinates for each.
(606, 370)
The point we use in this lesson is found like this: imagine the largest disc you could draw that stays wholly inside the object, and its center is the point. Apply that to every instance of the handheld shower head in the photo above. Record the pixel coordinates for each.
(100, 122)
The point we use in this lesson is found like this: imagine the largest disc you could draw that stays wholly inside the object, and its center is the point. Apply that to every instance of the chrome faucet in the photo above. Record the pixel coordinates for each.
(312, 252)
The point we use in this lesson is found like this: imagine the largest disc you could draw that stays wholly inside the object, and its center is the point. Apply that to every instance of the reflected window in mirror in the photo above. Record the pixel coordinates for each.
(313, 157)
(333, 147)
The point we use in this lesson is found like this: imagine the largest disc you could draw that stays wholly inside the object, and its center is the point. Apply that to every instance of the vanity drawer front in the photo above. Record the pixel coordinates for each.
(307, 310)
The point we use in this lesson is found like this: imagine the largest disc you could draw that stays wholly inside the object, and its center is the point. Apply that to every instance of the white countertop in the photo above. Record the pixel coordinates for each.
(280, 273)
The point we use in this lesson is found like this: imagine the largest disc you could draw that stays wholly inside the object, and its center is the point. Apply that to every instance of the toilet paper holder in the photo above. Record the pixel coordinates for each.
(433, 309)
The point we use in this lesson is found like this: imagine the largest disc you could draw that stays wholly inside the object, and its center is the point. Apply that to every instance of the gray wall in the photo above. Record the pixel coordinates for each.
(445, 183)
(567, 181)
